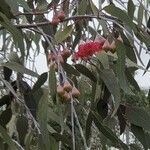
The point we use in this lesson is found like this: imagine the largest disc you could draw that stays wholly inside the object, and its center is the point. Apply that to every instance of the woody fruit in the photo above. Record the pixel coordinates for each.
(67, 86)
(61, 15)
(60, 90)
(75, 92)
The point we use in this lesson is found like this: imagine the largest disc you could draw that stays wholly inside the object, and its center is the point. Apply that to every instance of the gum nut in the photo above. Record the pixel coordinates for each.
(60, 90)
(60, 58)
(66, 96)
(67, 86)
(66, 53)
(106, 45)
(61, 15)
(113, 45)
(120, 39)
(55, 20)
(75, 92)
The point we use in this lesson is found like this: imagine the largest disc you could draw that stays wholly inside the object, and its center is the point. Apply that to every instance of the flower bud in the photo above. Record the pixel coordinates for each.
(67, 86)
(60, 90)
(61, 15)
(75, 92)
(55, 20)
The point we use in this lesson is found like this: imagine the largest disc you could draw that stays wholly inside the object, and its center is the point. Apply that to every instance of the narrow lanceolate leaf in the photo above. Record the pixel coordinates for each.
(7, 139)
(88, 127)
(70, 69)
(109, 78)
(103, 58)
(94, 8)
(139, 134)
(138, 117)
(52, 83)
(42, 120)
(19, 68)
(121, 15)
(82, 7)
(121, 118)
(17, 36)
(85, 71)
(61, 35)
(140, 14)
(41, 80)
(131, 9)
(120, 68)
(107, 132)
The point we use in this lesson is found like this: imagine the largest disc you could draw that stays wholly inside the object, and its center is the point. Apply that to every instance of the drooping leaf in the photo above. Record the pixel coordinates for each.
(82, 7)
(85, 71)
(22, 128)
(42, 120)
(17, 36)
(5, 117)
(107, 132)
(88, 127)
(140, 14)
(109, 78)
(52, 83)
(7, 73)
(94, 8)
(70, 69)
(61, 35)
(120, 68)
(139, 134)
(6, 99)
(103, 58)
(7, 139)
(138, 117)
(19, 68)
(121, 117)
(134, 147)
(41, 80)
(102, 104)
(131, 9)
(121, 15)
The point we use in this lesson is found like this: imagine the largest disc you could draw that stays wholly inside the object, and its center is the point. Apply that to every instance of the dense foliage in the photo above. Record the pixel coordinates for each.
(87, 98)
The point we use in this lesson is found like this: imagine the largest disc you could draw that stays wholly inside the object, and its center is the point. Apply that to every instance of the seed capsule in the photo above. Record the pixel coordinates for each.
(60, 90)
(75, 92)
(61, 15)
(55, 20)
(67, 86)
(106, 45)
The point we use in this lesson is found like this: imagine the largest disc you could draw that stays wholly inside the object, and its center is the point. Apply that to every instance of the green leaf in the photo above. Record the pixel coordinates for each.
(42, 120)
(19, 68)
(22, 128)
(109, 78)
(70, 70)
(17, 36)
(120, 68)
(121, 15)
(131, 9)
(107, 132)
(52, 83)
(138, 117)
(24, 4)
(103, 58)
(139, 134)
(7, 73)
(140, 14)
(5, 117)
(61, 35)
(82, 7)
(7, 139)
(41, 80)
(85, 71)
(134, 147)
(94, 8)
(88, 127)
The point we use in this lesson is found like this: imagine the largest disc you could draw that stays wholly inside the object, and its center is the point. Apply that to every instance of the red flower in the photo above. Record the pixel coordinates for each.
(89, 48)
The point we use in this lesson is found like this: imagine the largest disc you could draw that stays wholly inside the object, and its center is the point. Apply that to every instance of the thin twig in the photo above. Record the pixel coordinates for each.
(80, 128)
(72, 124)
